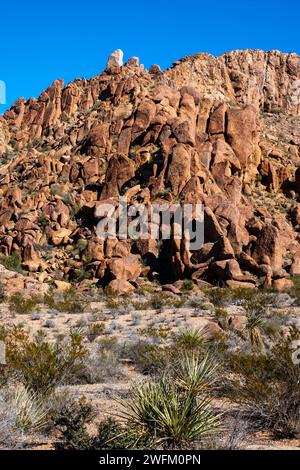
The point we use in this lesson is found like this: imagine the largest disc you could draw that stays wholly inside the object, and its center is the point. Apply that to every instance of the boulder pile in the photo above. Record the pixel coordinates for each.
(222, 131)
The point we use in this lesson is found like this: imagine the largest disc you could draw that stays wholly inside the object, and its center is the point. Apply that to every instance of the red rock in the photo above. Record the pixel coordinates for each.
(268, 247)
(120, 287)
(128, 268)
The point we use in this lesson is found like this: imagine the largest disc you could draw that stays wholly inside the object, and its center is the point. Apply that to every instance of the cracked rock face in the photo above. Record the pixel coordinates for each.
(222, 131)
(267, 80)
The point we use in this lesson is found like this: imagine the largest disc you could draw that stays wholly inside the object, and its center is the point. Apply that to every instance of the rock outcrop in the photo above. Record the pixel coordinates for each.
(223, 131)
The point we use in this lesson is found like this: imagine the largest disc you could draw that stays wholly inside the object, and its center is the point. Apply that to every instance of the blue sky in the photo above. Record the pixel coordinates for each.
(42, 41)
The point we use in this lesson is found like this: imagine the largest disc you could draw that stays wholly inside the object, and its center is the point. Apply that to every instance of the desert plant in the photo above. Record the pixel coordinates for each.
(12, 262)
(41, 365)
(19, 304)
(69, 304)
(190, 339)
(160, 348)
(252, 328)
(71, 417)
(267, 386)
(31, 413)
(105, 363)
(188, 285)
(219, 296)
(21, 412)
(173, 417)
(95, 330)
(196, 374)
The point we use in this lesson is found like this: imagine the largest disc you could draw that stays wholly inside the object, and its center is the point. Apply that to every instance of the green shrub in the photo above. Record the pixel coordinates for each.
(252, 328)
(12, 262)
(69, 304)
(160, 349)
(71, 417)
(188, 285)
(19, 304)
(41, 365)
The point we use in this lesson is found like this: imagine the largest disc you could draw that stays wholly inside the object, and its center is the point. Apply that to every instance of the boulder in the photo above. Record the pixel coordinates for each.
(120, 287)
(127, 269)
(115, 59)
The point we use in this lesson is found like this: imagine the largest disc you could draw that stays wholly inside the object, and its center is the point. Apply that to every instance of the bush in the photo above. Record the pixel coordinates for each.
(41, 365)
(12, 262)
(267, 386)
(161, 349)
(104, 364)
(19, 304)
(69, 303)
(252, 328)
(188, 285)
(95, 330)
(71, 418)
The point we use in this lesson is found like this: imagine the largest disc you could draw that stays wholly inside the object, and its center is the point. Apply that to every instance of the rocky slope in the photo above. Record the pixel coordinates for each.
(224, 131)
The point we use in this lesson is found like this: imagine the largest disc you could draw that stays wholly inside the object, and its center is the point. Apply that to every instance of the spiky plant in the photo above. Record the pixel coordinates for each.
(172, 417)
(175, 409)
(196, 374)
(252, 328)
(191, 338)
(30, 411)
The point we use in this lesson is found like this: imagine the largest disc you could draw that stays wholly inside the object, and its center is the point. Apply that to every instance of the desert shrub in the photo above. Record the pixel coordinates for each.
(105, 363)
(267, 386)
(19, 304)
(221, 314)
(31, 413)
(157, 301)
(218, 296)
(173, 413)
(69, 303)
(95, 330)
(188, 285)
(252, 299)
(40, 364)
(12, 262)
(271, 327)
(71, 418)
(233, 436)
(112, 435)
(190, 339)
(158, 349)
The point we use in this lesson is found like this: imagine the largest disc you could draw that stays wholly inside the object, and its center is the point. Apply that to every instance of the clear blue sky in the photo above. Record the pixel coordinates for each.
(42, 41)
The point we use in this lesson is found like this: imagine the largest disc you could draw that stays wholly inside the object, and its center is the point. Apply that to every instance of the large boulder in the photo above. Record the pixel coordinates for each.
(125, 269)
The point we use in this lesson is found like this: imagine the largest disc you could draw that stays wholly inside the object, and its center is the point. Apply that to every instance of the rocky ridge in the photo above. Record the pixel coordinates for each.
(224, 131)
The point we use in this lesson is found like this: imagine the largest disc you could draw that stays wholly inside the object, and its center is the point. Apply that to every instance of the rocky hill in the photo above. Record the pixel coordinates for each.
(224, 131)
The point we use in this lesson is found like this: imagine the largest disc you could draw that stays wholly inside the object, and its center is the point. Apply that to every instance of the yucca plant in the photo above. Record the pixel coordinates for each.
(252, 330)
(196, 374)
(175, 409)
(191, 338)
(31, 413)
(173, 417)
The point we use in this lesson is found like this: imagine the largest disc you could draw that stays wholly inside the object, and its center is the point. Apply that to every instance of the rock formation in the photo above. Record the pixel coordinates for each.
(224, 131)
